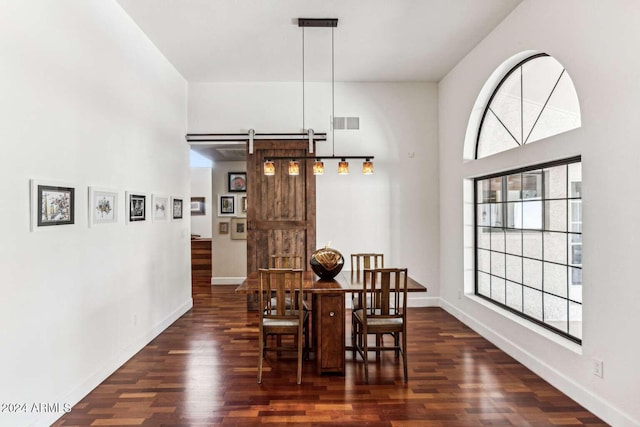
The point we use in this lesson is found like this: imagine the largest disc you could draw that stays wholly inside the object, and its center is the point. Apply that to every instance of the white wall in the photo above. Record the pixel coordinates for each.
(395, 211)
(594, 40)
(201, 187)
(89, 101)
(228, 256)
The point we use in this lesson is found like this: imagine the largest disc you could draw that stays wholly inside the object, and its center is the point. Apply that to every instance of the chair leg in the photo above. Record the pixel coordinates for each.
(365, 355)
(396, 342)
(353, 331)
(354, 335)
(305, 332)
(359, 337)
(260, 355)
(404, 355)
(299, 340)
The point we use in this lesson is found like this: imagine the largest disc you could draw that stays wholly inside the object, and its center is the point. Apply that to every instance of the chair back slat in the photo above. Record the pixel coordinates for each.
(385, 293)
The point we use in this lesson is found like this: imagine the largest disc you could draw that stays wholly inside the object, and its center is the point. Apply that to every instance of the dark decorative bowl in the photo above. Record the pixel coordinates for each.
(326, 262)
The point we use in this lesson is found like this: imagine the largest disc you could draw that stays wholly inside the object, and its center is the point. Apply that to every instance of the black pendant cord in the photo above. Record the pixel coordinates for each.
(303, 128)
(333, 102)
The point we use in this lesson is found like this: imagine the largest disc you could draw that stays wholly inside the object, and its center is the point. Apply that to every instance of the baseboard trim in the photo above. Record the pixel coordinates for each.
(227, 280)
(580, 394)
(419, 300)
(95, 379)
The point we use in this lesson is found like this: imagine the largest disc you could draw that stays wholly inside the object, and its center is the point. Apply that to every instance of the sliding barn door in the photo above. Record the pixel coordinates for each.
(281, 212)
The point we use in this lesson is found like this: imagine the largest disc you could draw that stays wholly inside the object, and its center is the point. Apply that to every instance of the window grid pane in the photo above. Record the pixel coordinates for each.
(529, 244)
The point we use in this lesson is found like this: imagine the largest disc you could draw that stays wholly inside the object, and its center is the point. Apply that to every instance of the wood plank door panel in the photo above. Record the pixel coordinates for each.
(281, 213)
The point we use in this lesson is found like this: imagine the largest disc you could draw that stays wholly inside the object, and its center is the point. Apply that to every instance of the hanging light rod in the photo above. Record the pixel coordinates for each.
(212, 137)
(317, 22)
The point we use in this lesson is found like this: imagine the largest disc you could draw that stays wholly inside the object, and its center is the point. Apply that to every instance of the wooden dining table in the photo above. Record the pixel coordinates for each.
(328, 313)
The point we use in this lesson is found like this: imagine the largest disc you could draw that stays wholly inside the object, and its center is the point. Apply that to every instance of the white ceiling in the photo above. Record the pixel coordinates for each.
(259, 40)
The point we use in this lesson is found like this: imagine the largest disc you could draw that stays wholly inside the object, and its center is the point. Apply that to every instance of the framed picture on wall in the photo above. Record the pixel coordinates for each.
(160, 207)
(176, 208)
(51, 204)
(223, 228)
(137, 205)
(243, 205)
(197, 206)
(238, 228)
(103, 206)
(237, 182)
(226, 205)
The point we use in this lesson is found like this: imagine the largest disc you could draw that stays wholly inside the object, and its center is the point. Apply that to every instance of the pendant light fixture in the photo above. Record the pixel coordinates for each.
(367, 167)
(343, 167)
(318, 165)
(294, 167)
(269, 168)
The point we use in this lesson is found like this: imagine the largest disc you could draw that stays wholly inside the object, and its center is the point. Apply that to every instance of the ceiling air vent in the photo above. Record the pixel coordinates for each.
(353, 123)
(349, 123)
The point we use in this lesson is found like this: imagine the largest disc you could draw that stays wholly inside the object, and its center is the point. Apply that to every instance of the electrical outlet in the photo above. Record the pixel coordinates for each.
(459, 293)
(135, 319)
(598, 368)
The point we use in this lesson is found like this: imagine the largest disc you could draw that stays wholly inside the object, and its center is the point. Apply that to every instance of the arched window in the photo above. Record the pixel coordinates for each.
(536, 99)
(528, 221)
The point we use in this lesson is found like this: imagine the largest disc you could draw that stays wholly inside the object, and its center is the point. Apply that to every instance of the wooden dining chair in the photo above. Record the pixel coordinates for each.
(285, 261)
(279, 287)
(360, 262)
(383, 312)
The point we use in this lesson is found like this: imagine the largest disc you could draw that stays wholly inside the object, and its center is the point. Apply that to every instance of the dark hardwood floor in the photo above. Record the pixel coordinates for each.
(202, 371)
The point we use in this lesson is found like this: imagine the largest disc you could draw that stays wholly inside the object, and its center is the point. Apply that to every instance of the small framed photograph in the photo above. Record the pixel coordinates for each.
(160, 206)
(226, 205)
(51, 204)
(238, 228)
(103, 206)
(176, 208)
(197, 206)
(223, 228)
(237, 182)
(242, 205)
(137, 206)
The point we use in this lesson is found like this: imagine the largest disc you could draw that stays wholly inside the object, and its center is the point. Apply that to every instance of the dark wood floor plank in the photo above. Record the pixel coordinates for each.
(202, 371)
